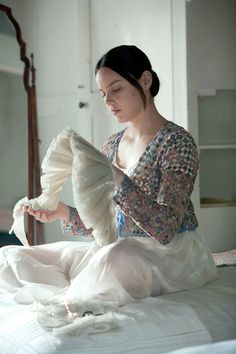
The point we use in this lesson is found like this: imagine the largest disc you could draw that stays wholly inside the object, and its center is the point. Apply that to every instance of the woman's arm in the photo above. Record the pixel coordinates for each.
(71, 222)
(73, 225)
(60, 213)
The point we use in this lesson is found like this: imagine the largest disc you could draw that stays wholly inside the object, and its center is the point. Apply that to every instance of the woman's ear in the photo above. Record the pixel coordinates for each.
(146, 80)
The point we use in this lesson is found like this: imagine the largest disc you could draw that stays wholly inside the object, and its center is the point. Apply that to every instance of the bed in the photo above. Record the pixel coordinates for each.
(191, 321)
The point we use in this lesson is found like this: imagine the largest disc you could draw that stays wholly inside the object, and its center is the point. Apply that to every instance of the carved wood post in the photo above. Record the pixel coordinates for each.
(35, 233)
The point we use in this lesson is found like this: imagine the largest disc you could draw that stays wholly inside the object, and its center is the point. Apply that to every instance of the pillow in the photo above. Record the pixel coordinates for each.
(225, 258)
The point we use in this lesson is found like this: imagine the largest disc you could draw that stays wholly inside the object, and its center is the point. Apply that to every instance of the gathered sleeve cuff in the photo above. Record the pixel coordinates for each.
(74, 226)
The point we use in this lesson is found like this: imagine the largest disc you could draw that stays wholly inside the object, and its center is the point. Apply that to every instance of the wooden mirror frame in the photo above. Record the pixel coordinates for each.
(35, 231)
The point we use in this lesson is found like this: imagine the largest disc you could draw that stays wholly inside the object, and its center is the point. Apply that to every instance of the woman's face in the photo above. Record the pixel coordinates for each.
(121, 98)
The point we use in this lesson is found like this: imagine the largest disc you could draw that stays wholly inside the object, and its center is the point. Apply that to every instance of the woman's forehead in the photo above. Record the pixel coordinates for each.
(106, 77)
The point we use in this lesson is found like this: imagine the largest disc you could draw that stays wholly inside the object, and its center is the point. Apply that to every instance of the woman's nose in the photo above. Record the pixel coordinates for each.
(107, 98)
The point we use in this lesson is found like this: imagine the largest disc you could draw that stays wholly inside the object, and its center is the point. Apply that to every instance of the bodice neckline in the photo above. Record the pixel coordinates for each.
(135, 165)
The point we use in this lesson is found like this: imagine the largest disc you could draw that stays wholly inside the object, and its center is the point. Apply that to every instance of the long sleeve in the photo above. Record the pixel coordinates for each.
(75, 225)
(161, 214)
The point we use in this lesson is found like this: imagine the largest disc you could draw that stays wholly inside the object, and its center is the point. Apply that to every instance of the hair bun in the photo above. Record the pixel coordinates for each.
(129, 62)
(154, 89)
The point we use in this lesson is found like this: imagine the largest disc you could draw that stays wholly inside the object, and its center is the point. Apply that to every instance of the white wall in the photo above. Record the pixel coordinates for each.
(211, 58)
(211, 32)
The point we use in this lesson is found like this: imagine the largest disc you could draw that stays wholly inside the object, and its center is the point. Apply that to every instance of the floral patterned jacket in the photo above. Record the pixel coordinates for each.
(154, 200)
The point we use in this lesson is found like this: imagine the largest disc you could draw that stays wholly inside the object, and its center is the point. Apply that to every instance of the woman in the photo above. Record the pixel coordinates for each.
(159, 248)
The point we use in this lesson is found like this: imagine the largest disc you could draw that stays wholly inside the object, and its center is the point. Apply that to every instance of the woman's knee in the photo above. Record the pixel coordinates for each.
(125, 249)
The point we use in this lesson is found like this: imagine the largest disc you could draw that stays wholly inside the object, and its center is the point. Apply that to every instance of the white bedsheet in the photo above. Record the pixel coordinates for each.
(153, 325)
(148, 325)
(224, 347)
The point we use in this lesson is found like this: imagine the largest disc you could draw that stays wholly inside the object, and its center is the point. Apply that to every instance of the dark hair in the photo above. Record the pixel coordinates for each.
(130, 62)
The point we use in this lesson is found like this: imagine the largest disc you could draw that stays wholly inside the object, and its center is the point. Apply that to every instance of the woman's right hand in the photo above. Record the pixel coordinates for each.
(42, 215)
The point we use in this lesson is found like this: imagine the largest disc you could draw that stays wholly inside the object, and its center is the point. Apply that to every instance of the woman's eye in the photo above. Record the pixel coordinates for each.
(116, 89)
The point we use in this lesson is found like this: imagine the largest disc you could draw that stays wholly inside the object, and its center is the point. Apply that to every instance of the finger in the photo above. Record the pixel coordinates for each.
(32, 212)
(37, 215)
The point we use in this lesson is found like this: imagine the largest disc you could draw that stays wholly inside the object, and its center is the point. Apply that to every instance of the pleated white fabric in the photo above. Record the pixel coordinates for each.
(92, 180)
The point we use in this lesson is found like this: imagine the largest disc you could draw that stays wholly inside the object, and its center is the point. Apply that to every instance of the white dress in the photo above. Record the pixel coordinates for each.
(122, 271)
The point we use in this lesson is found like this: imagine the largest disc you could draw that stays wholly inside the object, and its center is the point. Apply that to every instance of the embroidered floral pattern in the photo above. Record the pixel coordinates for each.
(75, 225)
(155, 198)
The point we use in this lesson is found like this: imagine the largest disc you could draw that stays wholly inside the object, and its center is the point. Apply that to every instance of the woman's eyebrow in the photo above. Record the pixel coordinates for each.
(114, 82)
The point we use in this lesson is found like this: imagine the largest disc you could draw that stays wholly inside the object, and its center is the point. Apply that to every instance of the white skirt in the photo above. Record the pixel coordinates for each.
(125, 271)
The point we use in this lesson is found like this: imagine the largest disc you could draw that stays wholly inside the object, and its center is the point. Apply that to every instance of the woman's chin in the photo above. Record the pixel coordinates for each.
(121, 118)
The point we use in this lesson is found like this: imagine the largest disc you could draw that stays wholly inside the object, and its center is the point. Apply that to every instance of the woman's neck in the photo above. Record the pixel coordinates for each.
(148, 122)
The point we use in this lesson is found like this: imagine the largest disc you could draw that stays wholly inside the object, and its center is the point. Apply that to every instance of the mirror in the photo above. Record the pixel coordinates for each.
(20, 172)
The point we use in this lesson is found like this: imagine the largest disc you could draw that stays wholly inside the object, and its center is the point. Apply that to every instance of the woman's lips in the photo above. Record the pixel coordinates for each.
(115, 111)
